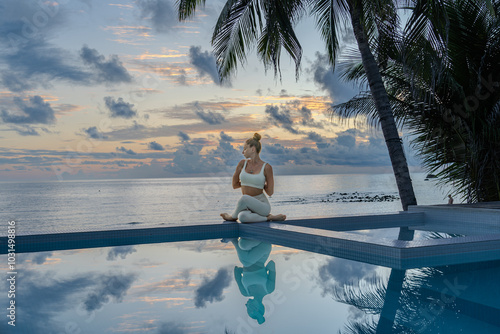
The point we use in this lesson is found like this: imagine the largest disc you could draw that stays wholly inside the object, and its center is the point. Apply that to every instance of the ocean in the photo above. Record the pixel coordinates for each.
(58, 206)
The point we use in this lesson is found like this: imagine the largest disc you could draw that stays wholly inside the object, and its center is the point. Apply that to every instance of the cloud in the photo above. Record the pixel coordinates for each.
(209, 117)
(108, 71)
(41, 257)
(31, 60)
(185, 276)
(93, 133)
(111, 286)
(226, 153)
(119, 108)
(184, 111)
(337, 272)
(35, 111)
(160, 13)
(46, 296)
(201, 141)
(314, 137)
(124, 150)
(307, 119)
(348, 138)
(155, 146)
(342, 270)
(120, 251)
(15, 82)
(180, 281)
(171, 327)
(225, 137)
(25, 130)
(314, 152)
(184, 136)
(211, 290)
(350, 148)
(181, 78)
(276, 149)
(24, 21)
(205, 64)
(39, 63)
(330, 81)
(139, 131)
(188, 160)
(281, 117)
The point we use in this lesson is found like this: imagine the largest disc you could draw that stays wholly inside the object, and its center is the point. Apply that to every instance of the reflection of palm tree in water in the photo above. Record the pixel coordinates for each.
(445, 299)
(255, 279)
(418, 300)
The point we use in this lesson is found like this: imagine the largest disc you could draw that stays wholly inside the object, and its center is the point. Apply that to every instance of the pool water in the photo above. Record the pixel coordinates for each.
(243, 286)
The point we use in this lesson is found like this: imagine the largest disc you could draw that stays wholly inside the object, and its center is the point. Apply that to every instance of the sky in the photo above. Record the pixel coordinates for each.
(122, 89)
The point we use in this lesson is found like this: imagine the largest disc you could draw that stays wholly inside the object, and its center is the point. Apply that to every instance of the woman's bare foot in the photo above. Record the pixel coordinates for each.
(227, 216)
(279, 217)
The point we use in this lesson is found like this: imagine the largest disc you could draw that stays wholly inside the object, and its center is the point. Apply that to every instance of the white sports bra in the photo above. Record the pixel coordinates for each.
(253, 180)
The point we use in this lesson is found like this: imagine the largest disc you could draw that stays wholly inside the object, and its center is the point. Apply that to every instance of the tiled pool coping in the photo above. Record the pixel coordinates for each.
(108, 238)
(89, 239)
(396, 254)
(320, 235)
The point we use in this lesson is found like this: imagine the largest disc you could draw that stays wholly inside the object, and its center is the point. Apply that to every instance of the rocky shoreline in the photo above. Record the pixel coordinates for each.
(360, 197)
(344, 197)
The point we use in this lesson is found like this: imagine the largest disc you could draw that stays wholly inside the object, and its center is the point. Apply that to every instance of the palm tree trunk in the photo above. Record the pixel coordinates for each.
(387, 122)
(391, 301)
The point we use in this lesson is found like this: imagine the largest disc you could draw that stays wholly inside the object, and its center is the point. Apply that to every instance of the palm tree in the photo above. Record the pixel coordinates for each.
(270, 24)
(414, 301)
(443, 78)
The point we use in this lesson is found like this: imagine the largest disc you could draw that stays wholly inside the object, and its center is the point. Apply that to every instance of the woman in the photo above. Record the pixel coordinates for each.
(255, 279)
(253, 176)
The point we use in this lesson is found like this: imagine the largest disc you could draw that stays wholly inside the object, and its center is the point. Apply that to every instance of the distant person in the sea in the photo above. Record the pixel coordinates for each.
(450, 199)
(253, 176)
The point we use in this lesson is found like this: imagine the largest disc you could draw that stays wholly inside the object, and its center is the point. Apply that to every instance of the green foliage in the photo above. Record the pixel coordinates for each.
(269, 25)
(443, 78)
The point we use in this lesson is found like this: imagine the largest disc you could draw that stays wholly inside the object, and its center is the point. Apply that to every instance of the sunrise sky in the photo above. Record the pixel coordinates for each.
(121, 89)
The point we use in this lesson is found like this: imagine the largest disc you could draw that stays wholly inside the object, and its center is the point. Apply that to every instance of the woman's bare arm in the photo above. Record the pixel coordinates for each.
(269, 186)
(236, 176)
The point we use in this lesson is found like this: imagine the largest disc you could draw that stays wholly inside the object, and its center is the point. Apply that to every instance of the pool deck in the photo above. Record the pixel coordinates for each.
(478, 225)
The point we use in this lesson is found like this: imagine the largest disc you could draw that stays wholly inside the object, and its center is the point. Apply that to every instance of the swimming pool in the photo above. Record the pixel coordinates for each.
(243, 286)
(336, 274)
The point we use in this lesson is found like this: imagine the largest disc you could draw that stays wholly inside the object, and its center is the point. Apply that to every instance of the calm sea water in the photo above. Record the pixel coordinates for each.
(47, 207)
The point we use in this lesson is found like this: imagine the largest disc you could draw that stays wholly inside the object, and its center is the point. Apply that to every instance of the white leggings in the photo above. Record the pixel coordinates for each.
(252, 209)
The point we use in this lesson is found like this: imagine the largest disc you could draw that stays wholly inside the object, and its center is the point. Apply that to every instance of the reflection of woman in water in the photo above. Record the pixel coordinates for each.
(253, 176)
(255, 279)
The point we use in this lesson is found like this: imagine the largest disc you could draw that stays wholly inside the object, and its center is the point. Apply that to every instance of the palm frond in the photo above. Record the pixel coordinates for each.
(354, 327)
(187, 8)
(388, 27)
(429, 19)
(330, 14)
(237, 28)
(368, 297)
(360, 106)
(278, 32)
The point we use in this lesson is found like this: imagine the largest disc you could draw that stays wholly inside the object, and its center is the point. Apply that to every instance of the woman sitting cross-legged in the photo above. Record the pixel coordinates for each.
(253, 176)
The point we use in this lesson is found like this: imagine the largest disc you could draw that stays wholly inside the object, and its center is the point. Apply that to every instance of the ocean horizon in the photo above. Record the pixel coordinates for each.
(75, 205)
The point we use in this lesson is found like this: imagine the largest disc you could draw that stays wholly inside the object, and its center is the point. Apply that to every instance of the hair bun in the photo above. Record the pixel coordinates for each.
(257, 137)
